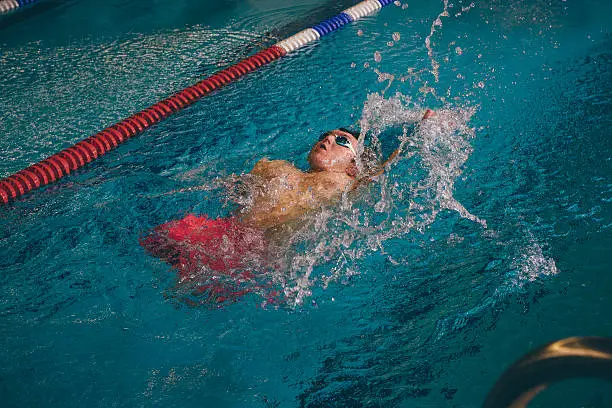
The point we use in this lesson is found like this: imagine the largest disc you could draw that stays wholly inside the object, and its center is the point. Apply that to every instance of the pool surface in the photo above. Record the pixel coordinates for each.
(489, 237)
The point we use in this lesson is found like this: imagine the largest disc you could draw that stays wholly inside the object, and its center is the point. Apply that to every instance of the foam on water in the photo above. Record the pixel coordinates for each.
(435, 65)
(530, 265)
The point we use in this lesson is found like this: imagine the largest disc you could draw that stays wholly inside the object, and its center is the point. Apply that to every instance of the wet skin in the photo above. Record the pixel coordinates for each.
(288, 192)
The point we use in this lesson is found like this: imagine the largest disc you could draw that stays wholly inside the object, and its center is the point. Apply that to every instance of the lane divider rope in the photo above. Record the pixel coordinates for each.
(70, 159)
(10, 5)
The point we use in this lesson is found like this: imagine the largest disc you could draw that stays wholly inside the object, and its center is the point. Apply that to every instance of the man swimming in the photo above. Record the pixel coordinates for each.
(280, 194)
(290, 193)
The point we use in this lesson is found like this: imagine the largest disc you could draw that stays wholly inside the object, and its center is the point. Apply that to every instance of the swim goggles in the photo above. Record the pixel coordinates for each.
(340, 141)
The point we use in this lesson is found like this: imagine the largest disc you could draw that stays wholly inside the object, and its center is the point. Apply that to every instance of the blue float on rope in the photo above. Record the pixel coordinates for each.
(332, 24)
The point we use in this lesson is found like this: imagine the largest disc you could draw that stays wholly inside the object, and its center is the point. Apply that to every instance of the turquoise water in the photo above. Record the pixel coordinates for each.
(417, 305)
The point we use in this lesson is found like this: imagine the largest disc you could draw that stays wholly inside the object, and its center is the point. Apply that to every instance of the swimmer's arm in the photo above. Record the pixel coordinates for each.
(383, 167)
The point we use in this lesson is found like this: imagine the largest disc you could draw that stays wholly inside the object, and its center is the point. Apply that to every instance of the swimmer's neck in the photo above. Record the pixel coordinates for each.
(339, 172)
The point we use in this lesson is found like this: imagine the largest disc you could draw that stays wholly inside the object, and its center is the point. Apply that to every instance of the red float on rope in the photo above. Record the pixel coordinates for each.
(91, 150)
(32, 176)
(23, 181)
(61, 163)
(96, 145)
(113, 135)
(72, 163)
(8, 189)
(3, 195)
(83, 152)
(44, 179)
(16, 184)
(55, 168)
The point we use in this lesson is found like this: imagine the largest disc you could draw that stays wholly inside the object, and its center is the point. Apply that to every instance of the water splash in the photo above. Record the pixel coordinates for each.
(435, 65)
(407, 198)
(529, 264)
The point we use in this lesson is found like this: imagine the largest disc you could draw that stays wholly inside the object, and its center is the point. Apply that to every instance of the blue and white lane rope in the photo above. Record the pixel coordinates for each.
(360, 10)
(60, 164)
(10, 5)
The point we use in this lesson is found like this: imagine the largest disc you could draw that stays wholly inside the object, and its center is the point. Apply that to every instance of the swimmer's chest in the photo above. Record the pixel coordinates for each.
(286, 185)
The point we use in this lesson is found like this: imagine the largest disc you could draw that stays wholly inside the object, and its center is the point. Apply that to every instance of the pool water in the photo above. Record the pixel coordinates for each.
(489, 237)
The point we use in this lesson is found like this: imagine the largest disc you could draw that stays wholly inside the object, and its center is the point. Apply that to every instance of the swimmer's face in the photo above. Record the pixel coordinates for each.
(331, 153)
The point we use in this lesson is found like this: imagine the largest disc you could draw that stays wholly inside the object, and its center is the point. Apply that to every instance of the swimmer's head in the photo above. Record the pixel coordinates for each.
(335, 151)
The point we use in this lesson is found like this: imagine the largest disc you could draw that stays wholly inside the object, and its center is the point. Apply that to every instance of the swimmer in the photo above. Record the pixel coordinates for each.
(281, 194)
(290, 193)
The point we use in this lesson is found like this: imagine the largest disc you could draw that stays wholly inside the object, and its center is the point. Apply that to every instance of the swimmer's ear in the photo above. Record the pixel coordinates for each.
(351, 169)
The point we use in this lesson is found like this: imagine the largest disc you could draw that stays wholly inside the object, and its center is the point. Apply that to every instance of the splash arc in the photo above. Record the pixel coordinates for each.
(80, 154)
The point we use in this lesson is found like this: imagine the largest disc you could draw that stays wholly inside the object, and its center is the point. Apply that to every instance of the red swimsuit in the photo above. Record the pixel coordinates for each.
(195, 242)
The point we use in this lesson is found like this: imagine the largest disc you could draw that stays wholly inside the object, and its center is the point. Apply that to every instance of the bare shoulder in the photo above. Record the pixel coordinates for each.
(265, 167)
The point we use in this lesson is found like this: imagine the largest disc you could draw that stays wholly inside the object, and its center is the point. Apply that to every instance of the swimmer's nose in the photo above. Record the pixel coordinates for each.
(324, 142)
